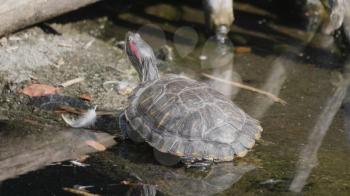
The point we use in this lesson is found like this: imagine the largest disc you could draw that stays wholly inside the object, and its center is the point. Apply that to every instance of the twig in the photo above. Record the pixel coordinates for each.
(71, 82)
(89, 44)
(79, 192)
(65, 45)
(246, 87)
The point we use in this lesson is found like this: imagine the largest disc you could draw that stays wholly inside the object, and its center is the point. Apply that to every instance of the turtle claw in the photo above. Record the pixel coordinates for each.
(201, 164)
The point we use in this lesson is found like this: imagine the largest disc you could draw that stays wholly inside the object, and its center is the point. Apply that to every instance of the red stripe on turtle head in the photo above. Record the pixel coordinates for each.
(134, 50)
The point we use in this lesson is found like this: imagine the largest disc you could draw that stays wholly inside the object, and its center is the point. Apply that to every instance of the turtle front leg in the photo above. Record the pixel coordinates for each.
(123, 125)
(201, 164)
(127, 131)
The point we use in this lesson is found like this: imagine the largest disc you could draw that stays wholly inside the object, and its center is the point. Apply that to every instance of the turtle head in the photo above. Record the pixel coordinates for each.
(141, 56)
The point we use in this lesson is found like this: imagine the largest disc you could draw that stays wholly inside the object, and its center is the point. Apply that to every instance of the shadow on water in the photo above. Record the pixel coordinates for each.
(125, 169)
(305, 143)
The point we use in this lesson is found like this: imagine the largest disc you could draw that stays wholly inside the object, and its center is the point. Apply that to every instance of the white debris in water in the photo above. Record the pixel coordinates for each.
(79, 164)
(272, 181)
(263, 21)
(203, 57)
(81, 187)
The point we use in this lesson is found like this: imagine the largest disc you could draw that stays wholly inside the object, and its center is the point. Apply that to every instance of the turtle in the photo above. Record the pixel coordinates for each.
(182, 119)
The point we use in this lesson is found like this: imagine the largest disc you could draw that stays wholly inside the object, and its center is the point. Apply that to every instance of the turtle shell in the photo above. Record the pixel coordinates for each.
(187, 118)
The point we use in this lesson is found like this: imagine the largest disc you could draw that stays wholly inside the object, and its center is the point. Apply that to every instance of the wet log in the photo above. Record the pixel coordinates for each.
(25, 147)
(18, 14)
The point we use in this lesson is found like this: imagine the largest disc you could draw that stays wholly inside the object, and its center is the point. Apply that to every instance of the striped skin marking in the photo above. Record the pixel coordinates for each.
(134, 50)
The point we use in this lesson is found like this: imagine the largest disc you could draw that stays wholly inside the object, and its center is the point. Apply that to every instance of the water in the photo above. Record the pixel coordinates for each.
(305, 144)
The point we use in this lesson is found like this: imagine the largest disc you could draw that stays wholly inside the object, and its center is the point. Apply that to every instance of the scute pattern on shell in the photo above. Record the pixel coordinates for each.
(181, 116)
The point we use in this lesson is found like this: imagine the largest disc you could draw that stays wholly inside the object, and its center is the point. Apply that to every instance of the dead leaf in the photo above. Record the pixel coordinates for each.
(242, 49)
(37, 90)
(85, 97)
(97, 146)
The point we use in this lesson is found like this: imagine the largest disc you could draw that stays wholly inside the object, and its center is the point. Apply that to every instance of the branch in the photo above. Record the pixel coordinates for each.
(246, 87)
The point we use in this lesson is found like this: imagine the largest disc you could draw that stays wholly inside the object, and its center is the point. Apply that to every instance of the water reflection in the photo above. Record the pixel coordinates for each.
(273, 84)
(154, 35)
(25, 147)
(141, 168)
(218, 58)
(347, 114)
(185, 41)
(221, 177)
(308, 155)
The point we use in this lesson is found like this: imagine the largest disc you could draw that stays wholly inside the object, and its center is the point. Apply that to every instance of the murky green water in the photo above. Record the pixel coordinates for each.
(305, 144)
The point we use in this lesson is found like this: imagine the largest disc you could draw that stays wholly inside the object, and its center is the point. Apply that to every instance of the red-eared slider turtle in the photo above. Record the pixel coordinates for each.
(183, 119)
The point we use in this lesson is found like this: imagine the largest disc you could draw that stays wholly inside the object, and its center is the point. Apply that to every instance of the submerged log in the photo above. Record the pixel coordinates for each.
(25, 147)
(18, 14)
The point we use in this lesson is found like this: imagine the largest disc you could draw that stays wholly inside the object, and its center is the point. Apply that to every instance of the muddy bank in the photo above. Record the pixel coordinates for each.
(33, 56)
